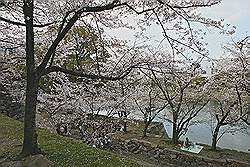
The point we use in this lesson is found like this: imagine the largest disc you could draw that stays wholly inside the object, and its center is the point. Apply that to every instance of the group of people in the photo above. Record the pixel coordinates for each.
(94, 132)
(98, 134)
(100, 140)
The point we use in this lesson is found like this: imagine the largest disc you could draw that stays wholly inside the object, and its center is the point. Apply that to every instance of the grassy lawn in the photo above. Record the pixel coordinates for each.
(63, 152)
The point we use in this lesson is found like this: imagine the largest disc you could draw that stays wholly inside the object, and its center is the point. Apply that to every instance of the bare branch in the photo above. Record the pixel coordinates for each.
(194, 6)
(137, 12)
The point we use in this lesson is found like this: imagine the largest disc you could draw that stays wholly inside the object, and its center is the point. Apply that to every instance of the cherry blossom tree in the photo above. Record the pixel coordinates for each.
(183, 90)
(228, 106)
(24, 22)
(230, 91)
(149, 102)
(11, 82)
(239, 67)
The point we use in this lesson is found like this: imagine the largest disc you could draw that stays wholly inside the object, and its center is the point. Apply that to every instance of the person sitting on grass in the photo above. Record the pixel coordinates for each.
(187, 143)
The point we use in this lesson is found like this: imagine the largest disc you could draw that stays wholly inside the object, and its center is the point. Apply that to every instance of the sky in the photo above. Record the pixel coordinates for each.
(235, 12)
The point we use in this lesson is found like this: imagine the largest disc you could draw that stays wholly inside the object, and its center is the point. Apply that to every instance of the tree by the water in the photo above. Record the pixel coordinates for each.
(25, 22)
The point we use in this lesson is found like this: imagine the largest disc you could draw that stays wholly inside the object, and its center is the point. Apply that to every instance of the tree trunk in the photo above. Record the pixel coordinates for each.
(215, 136)
(248, 113)
(146, 125)
(175, 130)
(175, 134)
(220, 123)
(125, 125)
(30, 145)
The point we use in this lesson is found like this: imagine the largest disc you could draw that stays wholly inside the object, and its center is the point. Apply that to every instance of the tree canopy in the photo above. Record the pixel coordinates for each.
(70, 37)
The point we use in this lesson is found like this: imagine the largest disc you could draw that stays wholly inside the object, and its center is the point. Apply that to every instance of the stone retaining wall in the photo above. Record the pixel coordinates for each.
(178, 158)
(8, 105)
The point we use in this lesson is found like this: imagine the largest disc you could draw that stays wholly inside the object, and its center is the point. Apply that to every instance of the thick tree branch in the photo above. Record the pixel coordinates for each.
(23, 24)
(81, 74)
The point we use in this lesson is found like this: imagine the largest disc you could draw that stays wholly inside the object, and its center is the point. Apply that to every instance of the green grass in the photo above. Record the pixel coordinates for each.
(62, 151)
